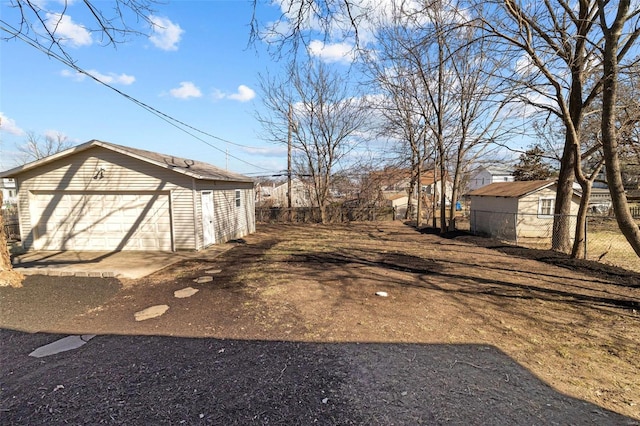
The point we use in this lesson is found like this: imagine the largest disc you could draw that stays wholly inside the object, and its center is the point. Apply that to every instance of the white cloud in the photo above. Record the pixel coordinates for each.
(524, 66)
(275, 151)
(186, 90)
(113, 78)
(244, 94)
(67, 31)
(166, 35)
(9, 125)
(332, 52)
(77, 76)
(109, 78)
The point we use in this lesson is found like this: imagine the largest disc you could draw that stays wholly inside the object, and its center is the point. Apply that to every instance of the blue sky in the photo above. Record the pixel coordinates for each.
(195, 65)
(199, 69)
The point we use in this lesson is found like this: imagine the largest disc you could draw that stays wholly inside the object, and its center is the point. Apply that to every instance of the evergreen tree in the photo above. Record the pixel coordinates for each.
(532, 165)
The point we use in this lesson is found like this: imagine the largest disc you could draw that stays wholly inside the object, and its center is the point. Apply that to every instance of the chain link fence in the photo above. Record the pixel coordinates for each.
(604, 242)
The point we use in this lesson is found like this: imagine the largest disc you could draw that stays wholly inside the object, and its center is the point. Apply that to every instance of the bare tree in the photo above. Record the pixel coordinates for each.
(327, 119)
(563, 52)
(40, 21)
(36, 147)
(402, 107)
(444, 99)
(616, 43)
(560, 54)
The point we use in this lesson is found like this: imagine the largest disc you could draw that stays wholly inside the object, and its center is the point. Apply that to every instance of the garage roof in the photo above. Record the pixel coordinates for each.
(512, 189)
(193, 168)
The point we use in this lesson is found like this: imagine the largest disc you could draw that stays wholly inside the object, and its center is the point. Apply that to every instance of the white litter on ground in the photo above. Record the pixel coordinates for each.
(151, 312)
(213, 271)
(185, 292)
(201, 280)
(65, 344)
(382, 293)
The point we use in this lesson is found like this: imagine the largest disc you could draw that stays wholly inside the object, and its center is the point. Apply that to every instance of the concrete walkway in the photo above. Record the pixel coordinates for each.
(122, 264)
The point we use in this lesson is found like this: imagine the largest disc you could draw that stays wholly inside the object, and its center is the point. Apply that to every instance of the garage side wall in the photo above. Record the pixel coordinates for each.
(231, 220)
(98, 171)
(494, 216)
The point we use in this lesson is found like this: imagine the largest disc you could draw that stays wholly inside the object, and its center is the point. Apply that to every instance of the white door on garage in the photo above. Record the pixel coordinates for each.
(101, 221)
(208, 235)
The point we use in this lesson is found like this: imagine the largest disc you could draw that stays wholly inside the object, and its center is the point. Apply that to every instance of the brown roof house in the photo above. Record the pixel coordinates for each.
(515, 211)
(106, 197)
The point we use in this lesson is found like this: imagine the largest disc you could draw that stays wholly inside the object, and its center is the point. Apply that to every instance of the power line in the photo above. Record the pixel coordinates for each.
(163, 116)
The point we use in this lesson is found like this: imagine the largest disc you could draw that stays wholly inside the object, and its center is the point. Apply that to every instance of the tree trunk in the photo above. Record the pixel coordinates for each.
(580, 235)
(8, 277)
(412, 182)
(626, 223)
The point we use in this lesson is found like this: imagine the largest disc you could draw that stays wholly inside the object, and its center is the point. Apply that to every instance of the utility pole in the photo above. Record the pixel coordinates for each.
(289, 136)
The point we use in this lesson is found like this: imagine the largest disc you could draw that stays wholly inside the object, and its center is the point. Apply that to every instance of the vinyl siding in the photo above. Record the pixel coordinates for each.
(497, 216)
(494, 216)
(79, 172)
(230, 222)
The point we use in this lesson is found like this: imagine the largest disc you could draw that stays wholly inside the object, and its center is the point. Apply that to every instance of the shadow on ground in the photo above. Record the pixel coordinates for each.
(161, 380)
(613, 274)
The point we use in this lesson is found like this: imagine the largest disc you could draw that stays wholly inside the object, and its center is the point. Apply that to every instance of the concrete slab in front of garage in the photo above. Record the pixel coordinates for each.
(120, 264)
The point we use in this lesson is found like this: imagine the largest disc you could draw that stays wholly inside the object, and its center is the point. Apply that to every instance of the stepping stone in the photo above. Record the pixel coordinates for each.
(213, 271)
(201, 280)
(151, 312)
(65, 344)
(185, 292)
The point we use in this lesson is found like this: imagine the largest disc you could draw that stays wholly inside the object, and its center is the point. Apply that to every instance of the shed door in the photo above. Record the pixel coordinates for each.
(101, 221)
(208, 236)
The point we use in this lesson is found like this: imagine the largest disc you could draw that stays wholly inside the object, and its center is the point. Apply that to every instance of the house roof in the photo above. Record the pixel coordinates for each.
(512, 189)
(498, 170)
(193, 168)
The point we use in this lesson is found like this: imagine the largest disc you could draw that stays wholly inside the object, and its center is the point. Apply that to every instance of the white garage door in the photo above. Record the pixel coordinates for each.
(103, 221)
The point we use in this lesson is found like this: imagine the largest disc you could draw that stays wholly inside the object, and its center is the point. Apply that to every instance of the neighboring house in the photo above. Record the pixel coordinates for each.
(107, 197)
(8, 188)
(399, 203)
(300, 194)
(516, 210)
(393, 181)
(432, 186)
(486, 175)
(600, 200)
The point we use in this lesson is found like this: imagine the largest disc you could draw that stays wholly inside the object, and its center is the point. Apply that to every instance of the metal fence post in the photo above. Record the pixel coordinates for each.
(586, 235)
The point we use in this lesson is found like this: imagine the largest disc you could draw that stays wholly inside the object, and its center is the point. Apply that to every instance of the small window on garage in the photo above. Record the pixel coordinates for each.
(545, 206)
(238, 198)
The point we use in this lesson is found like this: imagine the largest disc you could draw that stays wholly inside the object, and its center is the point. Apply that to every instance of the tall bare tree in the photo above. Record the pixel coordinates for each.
(441, 81)
(328, 119)
(616, 43)
(559, 54)
(401, 105)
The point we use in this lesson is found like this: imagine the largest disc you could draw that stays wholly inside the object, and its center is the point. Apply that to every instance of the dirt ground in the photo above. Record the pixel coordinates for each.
(291, 331)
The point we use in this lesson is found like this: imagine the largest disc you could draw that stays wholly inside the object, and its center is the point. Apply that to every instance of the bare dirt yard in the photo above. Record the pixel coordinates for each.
(291, 331)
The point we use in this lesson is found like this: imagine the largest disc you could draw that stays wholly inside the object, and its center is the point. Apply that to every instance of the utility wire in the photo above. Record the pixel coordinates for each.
(8, 28)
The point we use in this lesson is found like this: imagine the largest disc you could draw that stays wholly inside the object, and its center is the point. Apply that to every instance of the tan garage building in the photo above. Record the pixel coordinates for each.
(101, 196)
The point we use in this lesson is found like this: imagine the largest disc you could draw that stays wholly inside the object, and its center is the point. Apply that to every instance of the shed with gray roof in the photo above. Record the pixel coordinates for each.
(101, 196)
